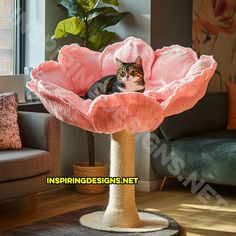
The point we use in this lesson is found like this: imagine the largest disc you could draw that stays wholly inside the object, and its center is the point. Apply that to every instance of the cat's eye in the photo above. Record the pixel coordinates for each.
(132, 73)
(123, 74)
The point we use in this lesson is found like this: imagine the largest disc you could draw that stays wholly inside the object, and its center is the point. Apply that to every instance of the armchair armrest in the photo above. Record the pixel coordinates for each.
(42, 131)
(39, 130)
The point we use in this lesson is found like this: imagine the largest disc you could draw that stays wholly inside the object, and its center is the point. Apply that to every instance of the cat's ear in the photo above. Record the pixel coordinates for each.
(119, 63)
(138, 60)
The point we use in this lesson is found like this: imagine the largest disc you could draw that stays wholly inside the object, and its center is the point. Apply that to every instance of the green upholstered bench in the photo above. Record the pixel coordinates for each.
(196, 143)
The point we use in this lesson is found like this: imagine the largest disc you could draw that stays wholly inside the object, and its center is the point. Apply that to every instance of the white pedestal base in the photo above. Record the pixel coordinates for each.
(150, 222)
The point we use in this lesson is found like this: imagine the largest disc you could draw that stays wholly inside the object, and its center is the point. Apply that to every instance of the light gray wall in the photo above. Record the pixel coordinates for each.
(74, 142)
(53, 15)
(167, 22)
(72, 151)
(137, 25)
(160, 23)
(102, 147)
(42, 17)
(171, 23)
(143, 161)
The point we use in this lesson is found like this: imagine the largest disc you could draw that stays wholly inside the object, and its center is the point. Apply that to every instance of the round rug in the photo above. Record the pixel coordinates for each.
(155, 223)
(68, 224)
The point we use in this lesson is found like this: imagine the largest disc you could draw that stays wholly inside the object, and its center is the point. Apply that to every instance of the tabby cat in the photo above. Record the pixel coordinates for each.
(129, 78)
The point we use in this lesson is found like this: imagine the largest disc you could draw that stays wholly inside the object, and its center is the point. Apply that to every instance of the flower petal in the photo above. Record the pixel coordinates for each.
(187, 92)
(171, 64)
(64, 104)
(106, 114)
(82, 66)
(178, 80)
(131, 111)
(53, 72)
(126, 51)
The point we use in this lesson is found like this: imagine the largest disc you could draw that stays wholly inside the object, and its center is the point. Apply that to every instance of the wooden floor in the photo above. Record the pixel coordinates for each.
(176, 201)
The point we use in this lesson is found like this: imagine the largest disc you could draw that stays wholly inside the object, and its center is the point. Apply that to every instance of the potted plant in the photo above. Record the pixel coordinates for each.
(88, 19)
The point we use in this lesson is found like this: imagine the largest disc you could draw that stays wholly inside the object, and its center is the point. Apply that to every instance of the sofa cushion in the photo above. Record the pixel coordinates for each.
(209, 114)
(24, 163)
(9, 128)
(210, 156)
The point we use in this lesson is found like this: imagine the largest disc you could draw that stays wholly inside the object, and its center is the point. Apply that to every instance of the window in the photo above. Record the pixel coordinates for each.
(7, 9)
(11, 37)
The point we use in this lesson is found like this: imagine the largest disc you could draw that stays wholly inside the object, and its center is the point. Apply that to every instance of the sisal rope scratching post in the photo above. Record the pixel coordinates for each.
(121, 214)
(121, 210)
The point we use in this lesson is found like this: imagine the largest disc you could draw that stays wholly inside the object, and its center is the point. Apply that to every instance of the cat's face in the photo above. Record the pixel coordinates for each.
(130, 72)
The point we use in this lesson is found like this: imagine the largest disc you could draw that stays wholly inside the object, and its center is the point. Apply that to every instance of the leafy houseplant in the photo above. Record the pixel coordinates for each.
(88, 20)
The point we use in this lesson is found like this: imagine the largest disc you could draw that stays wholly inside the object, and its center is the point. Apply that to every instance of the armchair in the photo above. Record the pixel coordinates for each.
(23, 172)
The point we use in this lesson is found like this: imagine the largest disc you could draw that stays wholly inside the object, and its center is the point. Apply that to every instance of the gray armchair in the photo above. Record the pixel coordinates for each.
(23, 172)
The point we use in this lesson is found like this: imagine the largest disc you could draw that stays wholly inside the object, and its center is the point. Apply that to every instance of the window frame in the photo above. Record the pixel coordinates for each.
(19, 37)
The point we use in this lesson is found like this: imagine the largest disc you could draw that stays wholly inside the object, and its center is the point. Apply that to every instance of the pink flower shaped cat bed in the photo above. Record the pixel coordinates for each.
(175, 79)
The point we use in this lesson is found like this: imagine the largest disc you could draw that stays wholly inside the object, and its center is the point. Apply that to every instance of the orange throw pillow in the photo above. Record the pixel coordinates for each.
(231, 88)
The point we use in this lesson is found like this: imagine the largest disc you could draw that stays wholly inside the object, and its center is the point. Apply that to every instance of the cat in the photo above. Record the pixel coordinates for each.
(129, 78)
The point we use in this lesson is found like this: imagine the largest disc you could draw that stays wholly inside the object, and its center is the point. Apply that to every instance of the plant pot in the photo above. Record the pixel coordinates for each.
(83, 169)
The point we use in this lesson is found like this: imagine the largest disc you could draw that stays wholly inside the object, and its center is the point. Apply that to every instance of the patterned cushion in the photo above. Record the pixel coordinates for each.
(9, 128)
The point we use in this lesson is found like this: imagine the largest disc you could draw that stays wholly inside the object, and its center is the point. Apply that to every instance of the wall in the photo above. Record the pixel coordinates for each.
(161, 25)
(53, 15)
(171, 23)
(43, 17)
(72, 151)
(74, 143)
(137, 25)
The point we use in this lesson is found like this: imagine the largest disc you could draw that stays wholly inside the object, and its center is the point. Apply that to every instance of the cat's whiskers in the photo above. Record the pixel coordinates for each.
(131, 85)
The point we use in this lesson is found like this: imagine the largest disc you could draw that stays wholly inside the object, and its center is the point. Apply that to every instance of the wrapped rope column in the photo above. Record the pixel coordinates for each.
(121, 210)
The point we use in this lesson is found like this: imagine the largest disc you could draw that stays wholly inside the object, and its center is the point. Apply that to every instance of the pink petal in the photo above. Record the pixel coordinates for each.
(106, 114)
(64, 104)
(53, 72)
(82, 66)
(132, 111)
(171, 64)
(126, 51)
(177, 81)
(180, 95)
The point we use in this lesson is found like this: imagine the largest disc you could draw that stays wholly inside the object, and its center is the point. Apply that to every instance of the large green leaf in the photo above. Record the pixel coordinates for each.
(72, 7)
(94, 41)
(102, 10)
(111, 2)
(103, 21)
(88, 5)
(107, 37)
(71, 25)
(100, 39)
